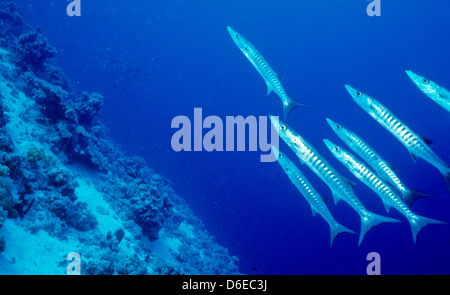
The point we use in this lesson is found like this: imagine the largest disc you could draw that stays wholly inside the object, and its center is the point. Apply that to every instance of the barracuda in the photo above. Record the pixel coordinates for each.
(315, 200)
(264, 69)
(339, 185)
(415, 144)
(381, 167)
(387, 195)
(437, 93)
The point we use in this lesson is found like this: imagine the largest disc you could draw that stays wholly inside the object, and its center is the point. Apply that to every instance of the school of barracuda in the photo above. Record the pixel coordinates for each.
(365, 164)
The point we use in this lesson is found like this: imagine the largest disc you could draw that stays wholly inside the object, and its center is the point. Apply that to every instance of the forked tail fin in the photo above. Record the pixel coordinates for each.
(413, 195)
(369, 221)
(419, 222)
(337, 229)
(289, 105)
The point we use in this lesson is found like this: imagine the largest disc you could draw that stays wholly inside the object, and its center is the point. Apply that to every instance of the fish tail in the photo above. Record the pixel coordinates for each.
(411, 195)
(419, 222)
(371, 220)
(336, 229)
(289, 105)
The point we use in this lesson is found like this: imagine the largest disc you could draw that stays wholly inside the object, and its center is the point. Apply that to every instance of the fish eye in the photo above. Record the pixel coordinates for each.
(238, 36)
(338, 127)
(358, 93)
(282, 127)
(425, 81)
(337, 149)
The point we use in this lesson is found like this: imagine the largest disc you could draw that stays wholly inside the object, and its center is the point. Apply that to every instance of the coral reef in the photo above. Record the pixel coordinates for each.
(64, 180)
(34, 49)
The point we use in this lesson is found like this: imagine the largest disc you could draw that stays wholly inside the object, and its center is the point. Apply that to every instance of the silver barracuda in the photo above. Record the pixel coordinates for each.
(387, 195)
(416, 145)
(339, 185)
(380, 166)
(315, 200)
(264, 69)
(437, 93)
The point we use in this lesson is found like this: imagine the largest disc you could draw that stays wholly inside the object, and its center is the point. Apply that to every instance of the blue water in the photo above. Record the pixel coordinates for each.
(154, 60)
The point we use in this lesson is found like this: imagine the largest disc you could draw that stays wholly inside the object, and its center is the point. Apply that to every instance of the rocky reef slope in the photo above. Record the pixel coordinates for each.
(65, 186)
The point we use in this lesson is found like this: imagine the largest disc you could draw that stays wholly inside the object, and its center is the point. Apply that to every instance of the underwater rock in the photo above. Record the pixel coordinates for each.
(64, 181)
(88, 107)
(34, 50)
(2, 239)
(11, 22)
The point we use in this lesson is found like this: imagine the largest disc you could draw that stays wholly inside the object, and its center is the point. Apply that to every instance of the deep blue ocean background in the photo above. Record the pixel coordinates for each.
(154, 60)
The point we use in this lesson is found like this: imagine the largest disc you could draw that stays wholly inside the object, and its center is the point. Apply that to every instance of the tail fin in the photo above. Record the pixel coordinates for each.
(419, 222)
(413, 195)
(369, 221)
(289, 105)
(337, 229)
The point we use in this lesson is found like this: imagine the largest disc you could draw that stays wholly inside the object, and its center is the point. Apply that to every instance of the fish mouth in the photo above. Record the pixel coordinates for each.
(334, 148)
(331, 123)
(414, 77)
(351, 90)
(361, 99)
(329, 144)
(232, 32)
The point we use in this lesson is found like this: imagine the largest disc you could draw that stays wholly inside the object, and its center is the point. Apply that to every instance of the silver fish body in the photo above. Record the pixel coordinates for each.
(387, 195)
(376, 162)
(415, 144)
(437, 93)
(339, 185)
(315, 200)
(264, 69)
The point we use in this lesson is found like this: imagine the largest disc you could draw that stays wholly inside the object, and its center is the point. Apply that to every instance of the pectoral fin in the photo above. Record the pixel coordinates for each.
(314, 212)
(386, 206)
(269, 89)
(413, 157)
(336, 198)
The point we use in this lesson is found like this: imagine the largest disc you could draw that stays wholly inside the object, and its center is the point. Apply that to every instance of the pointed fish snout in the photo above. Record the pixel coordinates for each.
(331, 123)
(349, 88)
(334, 148)
(328, 143)
(414, 77)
